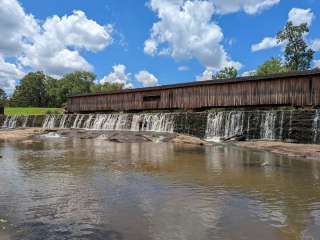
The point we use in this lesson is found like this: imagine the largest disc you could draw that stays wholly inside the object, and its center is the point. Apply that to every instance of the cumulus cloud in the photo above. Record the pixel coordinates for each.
(118, 75)
(299, 16)
(266, 43)
(209, 72)
(317, 63)
(185, 31)
(9, 73)
(147, 79)
(16, 27)
(53, 45)
(315, 45)
(248, 6)
(206, 75)
(55, 49)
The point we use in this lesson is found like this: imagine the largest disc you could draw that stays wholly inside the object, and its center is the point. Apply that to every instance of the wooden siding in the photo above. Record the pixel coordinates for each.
(299, 90)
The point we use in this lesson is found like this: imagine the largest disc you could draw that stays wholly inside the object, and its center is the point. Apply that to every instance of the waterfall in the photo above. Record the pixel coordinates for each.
(50, 121)
(268, 125)
(161, 122)
(10, 122)
(225, 124)
(316, 126)
(158, 122)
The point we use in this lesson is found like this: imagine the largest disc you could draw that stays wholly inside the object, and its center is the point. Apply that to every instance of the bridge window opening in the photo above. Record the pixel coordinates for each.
(151, 98)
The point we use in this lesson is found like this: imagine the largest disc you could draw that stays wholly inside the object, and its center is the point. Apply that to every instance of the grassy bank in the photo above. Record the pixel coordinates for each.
(31, 111)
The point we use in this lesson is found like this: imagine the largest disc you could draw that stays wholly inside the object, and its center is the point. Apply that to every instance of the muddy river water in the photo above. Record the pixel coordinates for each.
(92, 189)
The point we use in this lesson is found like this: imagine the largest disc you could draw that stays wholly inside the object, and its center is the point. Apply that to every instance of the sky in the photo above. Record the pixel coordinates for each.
(143, 43)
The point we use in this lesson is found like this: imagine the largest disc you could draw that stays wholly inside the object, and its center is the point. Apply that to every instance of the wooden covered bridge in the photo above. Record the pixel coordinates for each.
(299, 89)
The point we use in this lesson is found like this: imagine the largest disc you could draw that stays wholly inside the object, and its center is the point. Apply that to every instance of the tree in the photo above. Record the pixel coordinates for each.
(227, 72)
(272, 66)
(3, 97)
(31, 92)
(71, 84)
(298, 55)
(106, 87)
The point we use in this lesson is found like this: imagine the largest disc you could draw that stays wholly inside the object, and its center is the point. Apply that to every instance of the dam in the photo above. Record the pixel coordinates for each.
(301, 126)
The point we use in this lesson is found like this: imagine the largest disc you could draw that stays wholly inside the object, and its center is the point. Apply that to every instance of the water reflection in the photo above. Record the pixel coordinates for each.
(92, 189)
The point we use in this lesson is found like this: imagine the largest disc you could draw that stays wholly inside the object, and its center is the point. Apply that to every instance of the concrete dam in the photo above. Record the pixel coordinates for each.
(293, 126)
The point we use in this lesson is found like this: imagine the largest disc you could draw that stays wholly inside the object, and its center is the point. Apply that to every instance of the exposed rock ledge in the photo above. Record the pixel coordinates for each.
(308, 151)
(113, 136)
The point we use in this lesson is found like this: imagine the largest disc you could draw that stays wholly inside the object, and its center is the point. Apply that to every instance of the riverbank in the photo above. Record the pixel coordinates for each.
(307, 151)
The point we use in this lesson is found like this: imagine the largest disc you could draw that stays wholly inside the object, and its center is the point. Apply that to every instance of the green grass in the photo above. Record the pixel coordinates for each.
(31, 111)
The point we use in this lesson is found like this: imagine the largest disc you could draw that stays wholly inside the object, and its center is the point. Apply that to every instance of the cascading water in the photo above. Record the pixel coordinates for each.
(160, 122)
(316, 126)
(268, 125)
(222, 125)
(10, 122)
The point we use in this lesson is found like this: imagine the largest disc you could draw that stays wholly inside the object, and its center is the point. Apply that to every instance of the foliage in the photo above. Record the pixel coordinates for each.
(272, 66)
(297, 54)
(227, 72)
(31, 111)
(106, 87)
(31, 91)
(70, 84)
(3, 97)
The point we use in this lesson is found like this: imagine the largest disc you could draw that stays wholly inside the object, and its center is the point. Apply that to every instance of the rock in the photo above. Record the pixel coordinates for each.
(185, 139)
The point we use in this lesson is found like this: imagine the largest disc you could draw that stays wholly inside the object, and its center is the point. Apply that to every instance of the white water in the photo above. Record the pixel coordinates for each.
(222, 125)
(159, 122)
(316, 126)
(268, 125)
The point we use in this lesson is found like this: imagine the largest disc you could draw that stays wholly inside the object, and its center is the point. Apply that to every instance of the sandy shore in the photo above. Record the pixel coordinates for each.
(309, 151)
(19, 134)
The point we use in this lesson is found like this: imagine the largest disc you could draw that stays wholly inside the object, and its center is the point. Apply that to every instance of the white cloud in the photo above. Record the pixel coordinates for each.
(183, 68)
(248, 6)
(9, 73)
(55, 49)
(209, 72)
(315, 45)
(266, 43)
(298, 16)
(53, 45)
(16, 27)
(248, 73)
(150, 47)
(206, 75)
(185, 31)
(147, 79)
(317, 63)
(118, 75)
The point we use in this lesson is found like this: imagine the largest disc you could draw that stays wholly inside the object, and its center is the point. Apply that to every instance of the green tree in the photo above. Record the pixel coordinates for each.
(272, 66)
(106, 87)
(31, 92)
(71, 84)
(298, 55)
(3, 97)
(227, 72)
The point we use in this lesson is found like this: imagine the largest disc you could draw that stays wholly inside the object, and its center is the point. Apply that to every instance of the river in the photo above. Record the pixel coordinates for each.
(92, 189)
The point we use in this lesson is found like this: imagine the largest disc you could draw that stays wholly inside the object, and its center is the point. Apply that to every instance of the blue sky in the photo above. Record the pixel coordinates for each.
(191, 39)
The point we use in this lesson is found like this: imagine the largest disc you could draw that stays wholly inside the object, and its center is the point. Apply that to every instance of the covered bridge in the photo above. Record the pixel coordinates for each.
(299, 89)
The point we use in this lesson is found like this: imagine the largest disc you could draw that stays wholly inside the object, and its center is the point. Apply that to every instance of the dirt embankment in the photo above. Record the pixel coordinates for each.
(309, 151)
